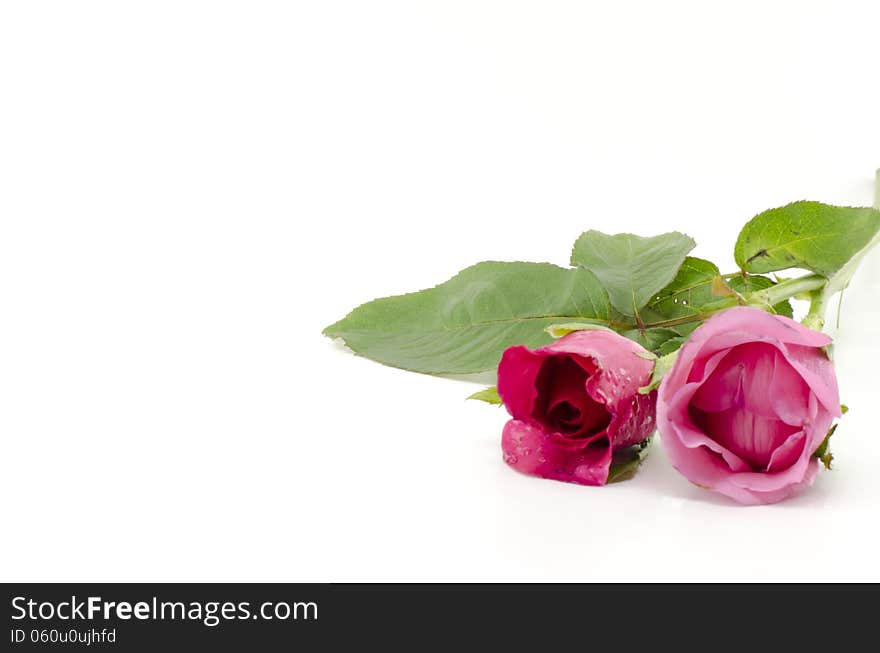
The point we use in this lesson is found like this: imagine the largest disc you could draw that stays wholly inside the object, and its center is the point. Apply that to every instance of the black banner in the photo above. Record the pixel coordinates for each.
(151, 617)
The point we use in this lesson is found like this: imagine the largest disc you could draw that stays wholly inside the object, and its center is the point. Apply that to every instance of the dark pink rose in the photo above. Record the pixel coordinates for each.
(749, 400)
(573, 404)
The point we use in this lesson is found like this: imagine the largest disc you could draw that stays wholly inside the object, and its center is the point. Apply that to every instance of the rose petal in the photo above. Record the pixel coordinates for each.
(763, 482)
(517, 373)
(698, 464)
(633, 421)
(746, 324)
(677, 420)
(622, 369)
(789, 394)
(563, 403)
(786, 454)
(743, 494)
(749, 435)
(704, 366)
(818, 372)
(529, 450)
(770, 394)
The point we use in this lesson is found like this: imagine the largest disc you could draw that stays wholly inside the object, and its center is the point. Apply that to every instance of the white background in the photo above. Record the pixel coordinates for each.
(191, 191)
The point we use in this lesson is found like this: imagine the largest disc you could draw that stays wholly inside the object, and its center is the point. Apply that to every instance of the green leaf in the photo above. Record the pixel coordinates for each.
(632, 268)
(828, 240)
(626, 462)
(689, 290)
(560, 330)
(671, 345)
(651, 339)
(661, 368)
(684, 330)
(463, 325)
(489, 395)
(754, 282)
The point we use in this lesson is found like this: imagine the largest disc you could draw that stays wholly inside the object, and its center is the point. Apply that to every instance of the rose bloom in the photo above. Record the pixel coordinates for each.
(749, 400)
(573, 404)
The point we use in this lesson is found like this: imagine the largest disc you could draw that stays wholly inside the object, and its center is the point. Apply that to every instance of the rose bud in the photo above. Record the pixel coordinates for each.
(574, 403)
(749, 400)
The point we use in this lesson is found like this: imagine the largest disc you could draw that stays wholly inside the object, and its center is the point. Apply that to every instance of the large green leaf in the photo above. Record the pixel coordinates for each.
(632, 268)
(689, 290)
(686, 296)
(651, 339)
(463, 325)
(828, 240)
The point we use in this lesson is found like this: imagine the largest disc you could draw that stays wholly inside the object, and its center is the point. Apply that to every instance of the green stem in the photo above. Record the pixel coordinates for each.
(815, 318)
(877, 190)
(789, 288)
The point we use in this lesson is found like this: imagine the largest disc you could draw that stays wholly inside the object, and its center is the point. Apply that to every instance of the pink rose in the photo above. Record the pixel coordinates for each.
(749, 400)
(573, 404)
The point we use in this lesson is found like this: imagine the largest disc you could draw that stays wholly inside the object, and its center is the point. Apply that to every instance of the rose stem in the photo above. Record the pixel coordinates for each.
(791, 287)
(815, 318)
(877, 190)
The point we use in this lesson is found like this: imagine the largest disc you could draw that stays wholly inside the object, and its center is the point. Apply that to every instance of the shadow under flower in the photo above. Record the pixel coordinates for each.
(658, 473)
